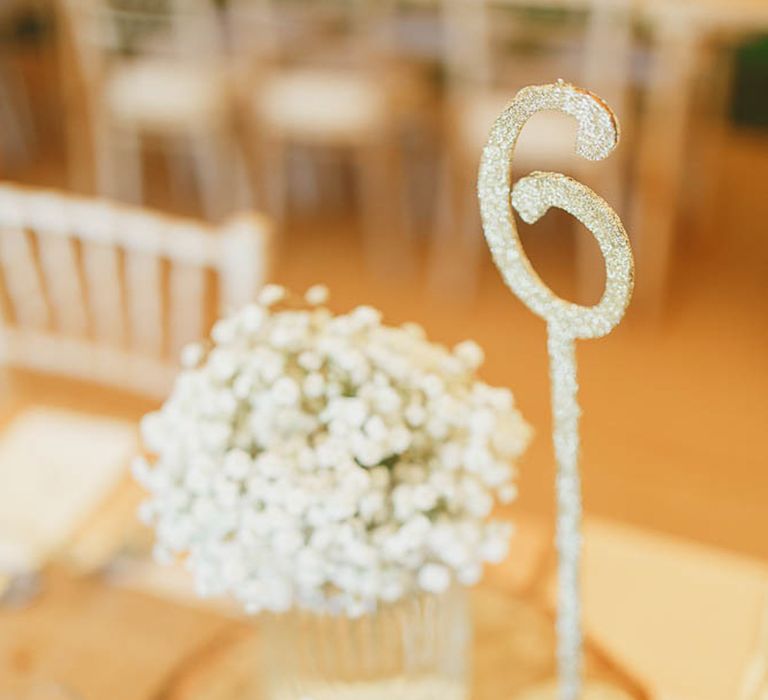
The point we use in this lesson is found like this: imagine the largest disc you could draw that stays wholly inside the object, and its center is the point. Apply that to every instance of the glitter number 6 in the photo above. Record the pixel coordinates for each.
(597, 135)
(533, 195)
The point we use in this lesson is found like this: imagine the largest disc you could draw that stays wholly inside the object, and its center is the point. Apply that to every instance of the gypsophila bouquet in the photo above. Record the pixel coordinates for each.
(328, 461)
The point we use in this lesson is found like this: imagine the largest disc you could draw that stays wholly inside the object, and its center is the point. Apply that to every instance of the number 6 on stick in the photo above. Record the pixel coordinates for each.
(532, 196)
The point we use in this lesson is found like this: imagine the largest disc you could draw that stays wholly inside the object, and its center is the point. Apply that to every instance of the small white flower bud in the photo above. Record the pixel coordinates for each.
(252, 318)
(224, 331)
(434, 578)
(317, 294)
(286, 392)
(270, 294)
(191, 355)
(470, 354)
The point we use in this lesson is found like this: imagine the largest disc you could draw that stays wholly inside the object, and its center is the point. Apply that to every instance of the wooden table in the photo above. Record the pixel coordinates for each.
(686, 618)
(122, 637)
(105, 635)
(107, 641)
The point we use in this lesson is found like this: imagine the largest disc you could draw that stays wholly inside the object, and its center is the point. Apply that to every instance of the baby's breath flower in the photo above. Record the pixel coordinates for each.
(470, 353)
(434, 578)
(270, 294)
(328, 462)
(316, 294)
(191, 354)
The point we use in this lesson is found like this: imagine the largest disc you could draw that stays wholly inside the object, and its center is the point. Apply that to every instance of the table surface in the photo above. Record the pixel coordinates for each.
(111, 636)
(107, 641)
(135, 632)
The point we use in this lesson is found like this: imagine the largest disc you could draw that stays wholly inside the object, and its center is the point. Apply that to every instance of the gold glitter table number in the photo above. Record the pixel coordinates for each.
(532, 196)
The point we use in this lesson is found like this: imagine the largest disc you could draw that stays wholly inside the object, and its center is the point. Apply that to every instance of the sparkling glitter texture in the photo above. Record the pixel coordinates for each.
(532, 196)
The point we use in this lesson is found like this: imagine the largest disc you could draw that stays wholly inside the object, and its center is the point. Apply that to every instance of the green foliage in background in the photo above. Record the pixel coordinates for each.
(749, 100)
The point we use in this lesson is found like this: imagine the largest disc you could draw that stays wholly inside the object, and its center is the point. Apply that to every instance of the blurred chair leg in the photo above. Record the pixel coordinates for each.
(706, 159)
(387, 247)
(334, 181)
(243, 192)
(273, 176)
(130, 167)
(442, 240)
(456, 244)
(214, 160)
(606, 71)
(16, 117)
(117, 154)
(661, 156)
(303, 171)
(103, 152)
(80, 150)
(177, 158)
(472, 241)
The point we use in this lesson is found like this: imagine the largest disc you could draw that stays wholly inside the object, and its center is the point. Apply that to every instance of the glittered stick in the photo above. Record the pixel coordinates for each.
(532, 196)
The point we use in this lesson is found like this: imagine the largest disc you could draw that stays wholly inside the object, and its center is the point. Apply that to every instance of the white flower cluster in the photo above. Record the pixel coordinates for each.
(328, 461)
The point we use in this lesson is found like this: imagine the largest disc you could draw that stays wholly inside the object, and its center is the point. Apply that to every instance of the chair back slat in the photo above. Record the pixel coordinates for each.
(144, 289)
(243, 262)
(66, 295)
(47, 218)
(124, 287)
(101, 263)
(186, 304)
(22, 279)
(144, 294)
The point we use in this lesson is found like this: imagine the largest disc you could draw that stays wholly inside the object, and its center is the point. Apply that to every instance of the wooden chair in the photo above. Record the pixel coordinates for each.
(321, 77)
(492, 48)
(152, 69)
(110, 294)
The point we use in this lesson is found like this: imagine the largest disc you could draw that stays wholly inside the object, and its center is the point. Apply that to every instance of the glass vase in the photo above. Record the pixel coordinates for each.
(417, 648)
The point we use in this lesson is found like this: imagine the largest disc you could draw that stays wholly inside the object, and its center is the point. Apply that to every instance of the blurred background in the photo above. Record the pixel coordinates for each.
(301, 141)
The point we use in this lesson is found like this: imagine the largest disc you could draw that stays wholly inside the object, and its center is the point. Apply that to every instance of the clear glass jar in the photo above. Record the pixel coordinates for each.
(417, 648)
